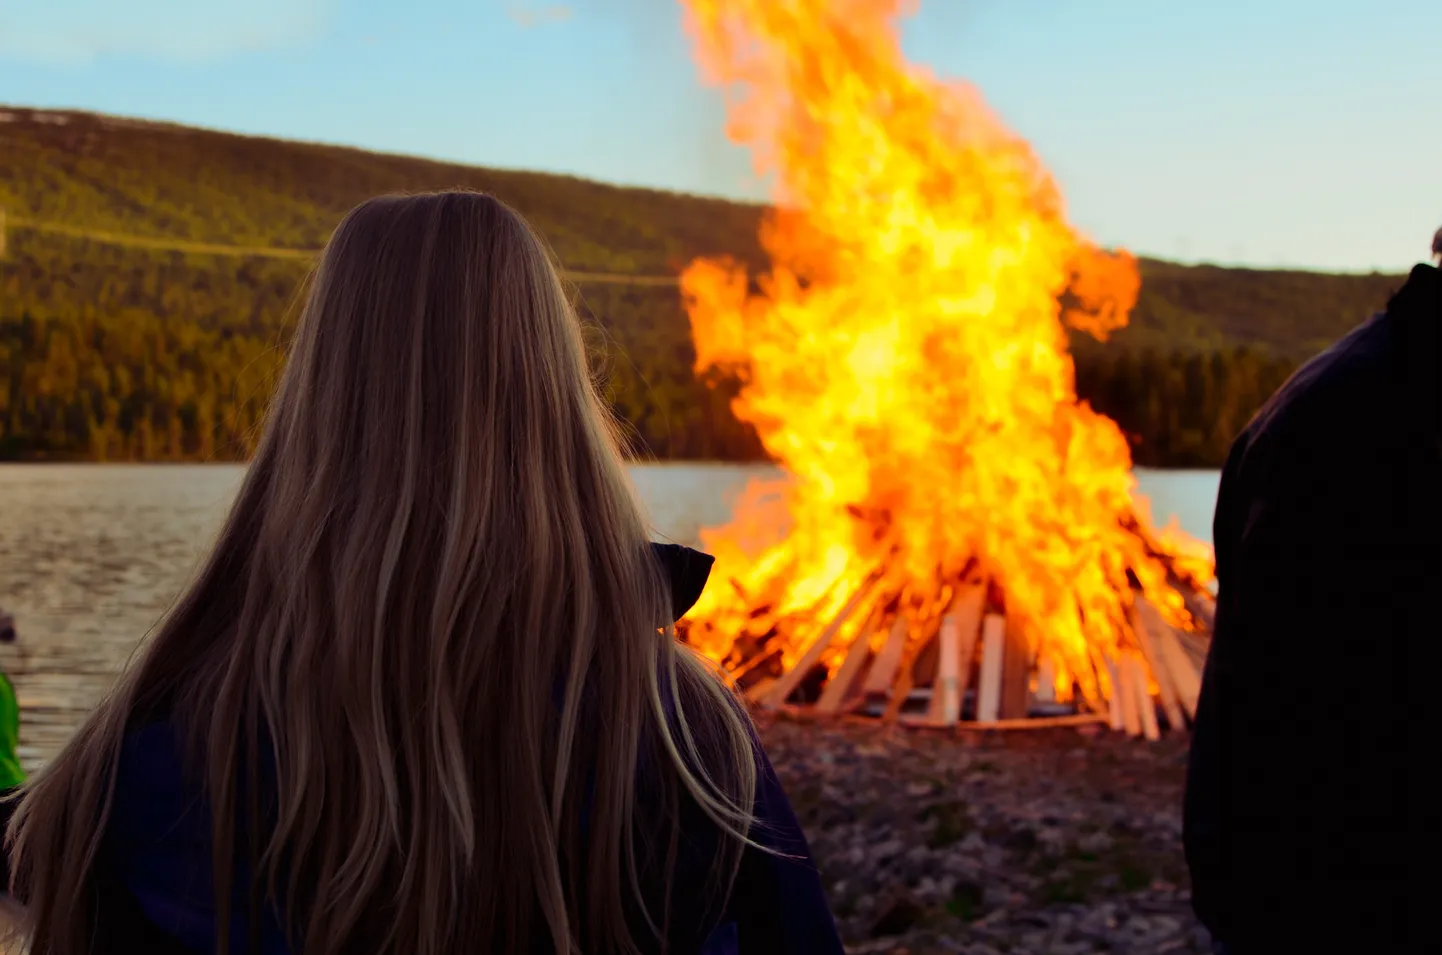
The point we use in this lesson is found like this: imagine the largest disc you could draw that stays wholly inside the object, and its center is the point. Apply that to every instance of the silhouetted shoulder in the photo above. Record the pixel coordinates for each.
(1343, 398)
(1375, 390)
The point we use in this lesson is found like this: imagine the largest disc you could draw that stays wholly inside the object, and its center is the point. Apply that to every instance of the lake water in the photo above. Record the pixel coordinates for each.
(91, 556)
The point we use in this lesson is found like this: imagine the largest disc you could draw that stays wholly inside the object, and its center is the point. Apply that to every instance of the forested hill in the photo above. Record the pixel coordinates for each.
(146, 283)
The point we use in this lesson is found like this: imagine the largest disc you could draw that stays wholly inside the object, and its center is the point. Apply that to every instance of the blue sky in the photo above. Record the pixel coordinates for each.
(1265, 132)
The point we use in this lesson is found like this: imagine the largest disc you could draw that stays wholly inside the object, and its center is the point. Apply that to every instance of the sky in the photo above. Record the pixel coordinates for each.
(1273, 133)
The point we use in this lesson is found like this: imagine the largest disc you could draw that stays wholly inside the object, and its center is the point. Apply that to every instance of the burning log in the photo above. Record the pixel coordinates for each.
(993, 645)
(1015, 673)
(1046, 682)
(782, 688)
(1184, 672)
(1201, 606)
(959, 631)
(1127, 692)
(1146, 622)
(1146, 709)
(839, 686)
(901, 691)
(883, 670)
(1114, 700)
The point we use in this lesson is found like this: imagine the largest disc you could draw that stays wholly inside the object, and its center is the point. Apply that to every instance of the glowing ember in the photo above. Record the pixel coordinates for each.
(905, 360)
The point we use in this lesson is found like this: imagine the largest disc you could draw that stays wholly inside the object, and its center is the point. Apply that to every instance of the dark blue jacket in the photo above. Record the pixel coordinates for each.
(155, 871)
(1311, 820)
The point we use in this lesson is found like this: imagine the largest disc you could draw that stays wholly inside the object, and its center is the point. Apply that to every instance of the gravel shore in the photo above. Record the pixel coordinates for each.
(1061, 841)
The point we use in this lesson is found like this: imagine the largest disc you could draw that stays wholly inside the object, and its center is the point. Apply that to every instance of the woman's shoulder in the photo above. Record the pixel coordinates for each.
(156, 800)
(151, 759)
(157, 845)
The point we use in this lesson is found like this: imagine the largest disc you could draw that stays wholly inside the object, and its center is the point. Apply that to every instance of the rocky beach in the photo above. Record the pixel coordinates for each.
(1031, 842)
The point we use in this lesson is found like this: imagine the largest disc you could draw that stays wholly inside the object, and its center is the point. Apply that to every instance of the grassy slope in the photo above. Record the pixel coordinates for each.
(168, 181)
(1291, 312)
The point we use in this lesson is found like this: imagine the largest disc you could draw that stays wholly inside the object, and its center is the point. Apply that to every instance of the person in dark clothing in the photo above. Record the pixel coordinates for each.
(425, 696)
(1310, 812)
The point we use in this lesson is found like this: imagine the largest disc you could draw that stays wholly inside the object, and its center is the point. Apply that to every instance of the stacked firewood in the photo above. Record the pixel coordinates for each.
(973, 668)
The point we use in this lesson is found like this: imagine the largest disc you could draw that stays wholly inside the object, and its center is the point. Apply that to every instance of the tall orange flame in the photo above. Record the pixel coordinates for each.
(905, 358)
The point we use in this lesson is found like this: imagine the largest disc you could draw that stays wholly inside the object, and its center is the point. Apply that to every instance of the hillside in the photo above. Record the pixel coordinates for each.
(115, 347)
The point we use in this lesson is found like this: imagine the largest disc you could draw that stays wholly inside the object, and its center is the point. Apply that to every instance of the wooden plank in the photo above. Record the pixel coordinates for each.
(945, 700)
(842, 680)
(1202, 608)
(1146, 706)
(1182, 655)
(993, 645)
(1195, 646)
(883, 670)
(1046, 680)
(901, 690)
(1015, 673)
(1147, 624)
(1126, 689)
(1182, 669)
(1030, 723)
(755, 661)
(1199, 603)
(927, 660)
(961, 627)
(758, 689)
(793, 677)
(1114, 699)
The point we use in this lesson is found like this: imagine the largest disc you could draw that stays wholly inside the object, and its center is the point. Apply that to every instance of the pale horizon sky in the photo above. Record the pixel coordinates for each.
(1270, 133)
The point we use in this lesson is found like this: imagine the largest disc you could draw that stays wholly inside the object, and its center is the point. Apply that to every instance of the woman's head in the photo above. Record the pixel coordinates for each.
(434, 604)
(438, 377)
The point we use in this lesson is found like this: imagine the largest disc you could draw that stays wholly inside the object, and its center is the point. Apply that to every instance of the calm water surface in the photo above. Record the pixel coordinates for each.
(91, 556)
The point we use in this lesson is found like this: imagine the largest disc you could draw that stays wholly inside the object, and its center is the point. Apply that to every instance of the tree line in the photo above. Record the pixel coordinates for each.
(126, 355)
(136, 355)
(1180, 409)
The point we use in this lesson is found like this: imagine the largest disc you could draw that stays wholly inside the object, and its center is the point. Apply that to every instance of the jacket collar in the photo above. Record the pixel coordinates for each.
(687, 571)
(1420, 298)
(1416, 314)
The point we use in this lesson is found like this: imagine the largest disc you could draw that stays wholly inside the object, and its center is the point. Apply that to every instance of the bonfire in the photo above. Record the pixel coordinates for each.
(958, 537)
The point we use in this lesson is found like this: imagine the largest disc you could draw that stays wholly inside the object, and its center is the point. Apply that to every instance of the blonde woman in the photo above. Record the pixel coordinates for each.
(424, 697)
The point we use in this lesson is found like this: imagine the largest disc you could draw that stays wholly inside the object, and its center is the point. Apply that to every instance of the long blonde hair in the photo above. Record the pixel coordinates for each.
(434, 607)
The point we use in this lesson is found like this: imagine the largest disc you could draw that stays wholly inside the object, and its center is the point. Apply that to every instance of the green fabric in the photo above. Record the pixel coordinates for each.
(10, 772)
